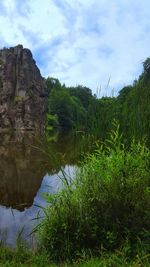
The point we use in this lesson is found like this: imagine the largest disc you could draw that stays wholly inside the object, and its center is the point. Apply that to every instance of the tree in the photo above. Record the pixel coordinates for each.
(52, 83)
(145, 76)
(67, 108)
(83, 93)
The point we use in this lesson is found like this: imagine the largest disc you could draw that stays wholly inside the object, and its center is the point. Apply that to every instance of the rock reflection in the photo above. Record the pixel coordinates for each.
(30, 167)
(22, 169)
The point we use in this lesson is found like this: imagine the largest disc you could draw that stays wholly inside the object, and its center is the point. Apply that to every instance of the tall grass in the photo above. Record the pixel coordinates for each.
(23, 258)
(106, 207)
(101, 218)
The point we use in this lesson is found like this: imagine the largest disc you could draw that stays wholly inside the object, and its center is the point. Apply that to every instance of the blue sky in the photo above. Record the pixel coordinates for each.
(87, 42)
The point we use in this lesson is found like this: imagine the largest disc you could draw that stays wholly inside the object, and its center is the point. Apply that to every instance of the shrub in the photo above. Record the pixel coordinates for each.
(106, 205)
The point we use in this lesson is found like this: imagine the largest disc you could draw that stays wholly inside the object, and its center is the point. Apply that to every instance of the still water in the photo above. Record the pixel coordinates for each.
(29, 168)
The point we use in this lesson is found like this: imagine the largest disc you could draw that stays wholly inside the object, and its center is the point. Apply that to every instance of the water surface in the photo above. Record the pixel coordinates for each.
(30, 167)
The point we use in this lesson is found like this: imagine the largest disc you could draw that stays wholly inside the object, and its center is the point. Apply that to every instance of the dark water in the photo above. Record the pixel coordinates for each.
(29, 168)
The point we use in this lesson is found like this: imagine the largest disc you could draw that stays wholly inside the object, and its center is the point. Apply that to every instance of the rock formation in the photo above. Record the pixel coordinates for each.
(23, 100)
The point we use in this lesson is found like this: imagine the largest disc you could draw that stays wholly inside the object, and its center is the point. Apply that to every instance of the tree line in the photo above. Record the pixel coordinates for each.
(77, 108)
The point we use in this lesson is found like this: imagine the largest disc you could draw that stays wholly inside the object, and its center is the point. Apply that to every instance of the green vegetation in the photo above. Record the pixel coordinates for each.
(70, 113)
(103, 214)
(52, 122)
(22, 257)
(77, 108)
(102, 217)
(105, 207)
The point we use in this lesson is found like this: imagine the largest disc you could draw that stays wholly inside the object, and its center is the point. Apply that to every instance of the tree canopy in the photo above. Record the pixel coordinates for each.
(76, 107)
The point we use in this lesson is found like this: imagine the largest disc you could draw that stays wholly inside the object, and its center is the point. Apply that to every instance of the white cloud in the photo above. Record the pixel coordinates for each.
(81, 42)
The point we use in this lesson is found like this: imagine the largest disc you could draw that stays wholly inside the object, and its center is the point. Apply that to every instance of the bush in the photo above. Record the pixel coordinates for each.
(106, 205)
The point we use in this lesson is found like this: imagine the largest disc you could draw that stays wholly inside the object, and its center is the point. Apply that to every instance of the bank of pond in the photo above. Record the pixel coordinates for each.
(74, 199)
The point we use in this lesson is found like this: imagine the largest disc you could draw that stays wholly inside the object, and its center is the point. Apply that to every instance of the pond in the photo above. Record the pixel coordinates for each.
(30, 167)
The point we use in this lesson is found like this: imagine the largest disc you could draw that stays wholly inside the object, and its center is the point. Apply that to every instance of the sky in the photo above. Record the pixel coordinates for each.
(100, 44)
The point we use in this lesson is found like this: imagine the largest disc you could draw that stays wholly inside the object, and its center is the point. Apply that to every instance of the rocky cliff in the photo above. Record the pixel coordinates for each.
(23, 101)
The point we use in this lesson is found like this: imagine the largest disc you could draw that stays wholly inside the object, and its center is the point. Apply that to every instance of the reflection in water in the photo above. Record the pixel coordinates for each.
(21, 172)
(30, 167)
(13, 221)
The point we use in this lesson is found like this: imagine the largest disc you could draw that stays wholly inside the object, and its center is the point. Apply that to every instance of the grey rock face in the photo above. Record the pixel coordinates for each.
(23, 102)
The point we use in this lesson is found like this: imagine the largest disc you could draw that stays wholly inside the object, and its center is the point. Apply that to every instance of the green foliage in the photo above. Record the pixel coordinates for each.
(117, 259)
(22, 257)
(123, 93)
(66, 107)
(145, 76)
(60, 104)
(70, 104)
(76, 107)
(83, 94)
(134, 111)
(106, 110)
(52, 83)
(52, 122)
(136, 108)
(106, 206)
(26, 258)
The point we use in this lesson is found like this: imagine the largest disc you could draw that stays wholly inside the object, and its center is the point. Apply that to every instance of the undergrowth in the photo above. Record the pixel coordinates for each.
(21, 257)
(101, 219)
(106, 207)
